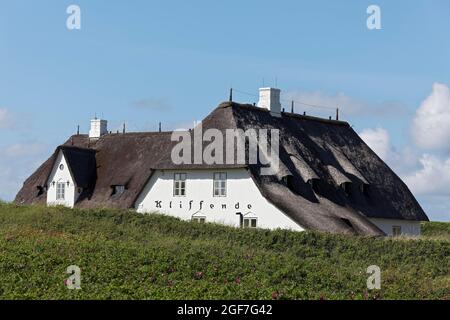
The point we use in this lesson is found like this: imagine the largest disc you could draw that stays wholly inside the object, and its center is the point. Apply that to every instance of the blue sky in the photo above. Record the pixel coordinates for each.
(142, 62)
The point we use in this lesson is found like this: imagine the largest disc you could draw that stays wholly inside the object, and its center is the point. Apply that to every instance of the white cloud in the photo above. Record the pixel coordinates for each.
(427, 175)
(5, 118)
(432, 179)
(431, 125)
(378, 140)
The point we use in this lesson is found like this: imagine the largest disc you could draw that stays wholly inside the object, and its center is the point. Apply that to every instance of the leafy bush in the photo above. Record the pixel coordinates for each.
(125, 255)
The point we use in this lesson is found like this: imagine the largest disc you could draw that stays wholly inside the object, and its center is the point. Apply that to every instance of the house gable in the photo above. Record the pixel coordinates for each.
(61, 186)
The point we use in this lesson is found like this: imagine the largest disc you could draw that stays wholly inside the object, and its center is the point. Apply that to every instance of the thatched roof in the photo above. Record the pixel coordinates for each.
(326, 151)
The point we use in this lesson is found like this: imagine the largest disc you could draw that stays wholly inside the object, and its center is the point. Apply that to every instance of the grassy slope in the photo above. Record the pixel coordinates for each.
(124, 255)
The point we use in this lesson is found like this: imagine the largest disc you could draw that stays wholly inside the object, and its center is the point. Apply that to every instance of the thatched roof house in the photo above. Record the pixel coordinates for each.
(329, 179)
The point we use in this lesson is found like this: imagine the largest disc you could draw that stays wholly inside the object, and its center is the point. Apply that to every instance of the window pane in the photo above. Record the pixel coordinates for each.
(253, 223)
(246, 223)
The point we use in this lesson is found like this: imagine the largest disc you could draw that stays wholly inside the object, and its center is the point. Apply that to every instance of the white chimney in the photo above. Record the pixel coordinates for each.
(98, 128)
(269, 98)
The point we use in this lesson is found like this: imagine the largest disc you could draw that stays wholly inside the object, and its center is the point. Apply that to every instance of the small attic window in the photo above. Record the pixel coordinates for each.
(347, 222)
(118, 190)
(41, 190)
(347, 187)
(314, 183)
(365, 189)
(288, 181)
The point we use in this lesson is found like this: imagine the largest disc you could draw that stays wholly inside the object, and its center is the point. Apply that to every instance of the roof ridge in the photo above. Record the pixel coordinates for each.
(232, 104)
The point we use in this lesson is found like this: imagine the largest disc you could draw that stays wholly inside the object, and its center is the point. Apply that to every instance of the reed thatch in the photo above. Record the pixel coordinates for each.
(336, 181)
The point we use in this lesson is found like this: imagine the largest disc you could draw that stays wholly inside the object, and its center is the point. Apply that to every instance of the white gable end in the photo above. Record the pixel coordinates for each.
(241, 200)
(61, 189)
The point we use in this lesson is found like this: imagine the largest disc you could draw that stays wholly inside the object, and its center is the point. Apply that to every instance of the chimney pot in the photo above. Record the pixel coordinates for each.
(98, 128)
(269, 98)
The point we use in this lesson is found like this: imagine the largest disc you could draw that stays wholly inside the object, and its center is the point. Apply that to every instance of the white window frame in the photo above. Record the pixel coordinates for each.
(179, 184)
(247, 222)
(198, 219)
(118, 190)
(60, 191)
(220, 184)
(396, 231)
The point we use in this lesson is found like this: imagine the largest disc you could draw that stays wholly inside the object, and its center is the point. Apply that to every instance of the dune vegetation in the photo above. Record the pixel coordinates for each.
(125, 255)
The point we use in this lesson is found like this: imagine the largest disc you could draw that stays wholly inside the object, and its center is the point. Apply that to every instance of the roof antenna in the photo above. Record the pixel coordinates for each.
(292, 106)
(231, 95)
(78, 130)
(124, 128)
(160, 127)
(337, 114)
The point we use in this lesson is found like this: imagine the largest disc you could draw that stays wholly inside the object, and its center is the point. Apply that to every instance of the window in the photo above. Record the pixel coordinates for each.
(41, 190)
(61, 167)
(199, 219)
(118, 190)
(314, 183)
(288, 181)
(347, 222)
(347, 186)
(250, 222)
(365, 189)
(396, 231)
(179, 184)
(220, 184)
(60, 191)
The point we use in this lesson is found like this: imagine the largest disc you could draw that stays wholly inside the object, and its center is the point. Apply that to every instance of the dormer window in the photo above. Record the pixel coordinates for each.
(198, 219)
(288, 181)
(365, 189)
(314, 183)
(347, 187)
(41, 190)
(250, 222)
(118, 190)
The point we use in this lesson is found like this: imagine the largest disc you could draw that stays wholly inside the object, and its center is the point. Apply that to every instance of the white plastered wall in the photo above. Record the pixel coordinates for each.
(243, 197)
(409, 228)
(64, 176)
